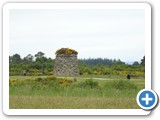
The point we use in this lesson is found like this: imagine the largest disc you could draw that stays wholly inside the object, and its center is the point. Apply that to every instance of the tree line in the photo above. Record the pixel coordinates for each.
(38, 63)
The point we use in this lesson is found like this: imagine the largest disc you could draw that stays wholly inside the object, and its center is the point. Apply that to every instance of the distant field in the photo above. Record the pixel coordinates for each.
(82, 92)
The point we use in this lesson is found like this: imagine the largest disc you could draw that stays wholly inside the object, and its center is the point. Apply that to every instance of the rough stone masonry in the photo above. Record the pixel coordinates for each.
(66, 65)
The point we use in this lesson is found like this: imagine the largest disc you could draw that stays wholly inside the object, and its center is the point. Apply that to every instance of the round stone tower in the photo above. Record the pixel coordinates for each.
(66, 62)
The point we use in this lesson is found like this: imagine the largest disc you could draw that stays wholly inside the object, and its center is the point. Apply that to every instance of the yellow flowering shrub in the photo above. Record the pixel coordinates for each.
(67, 51)
(64, 81)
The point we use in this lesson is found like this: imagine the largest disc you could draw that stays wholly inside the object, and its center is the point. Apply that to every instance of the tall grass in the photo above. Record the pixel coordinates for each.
(51, 92)
(63, 102)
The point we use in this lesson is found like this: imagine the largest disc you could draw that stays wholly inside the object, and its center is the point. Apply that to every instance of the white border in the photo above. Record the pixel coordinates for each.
(9, 6)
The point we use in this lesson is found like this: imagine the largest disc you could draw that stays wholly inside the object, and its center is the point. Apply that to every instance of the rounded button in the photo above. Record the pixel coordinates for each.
(147, 99)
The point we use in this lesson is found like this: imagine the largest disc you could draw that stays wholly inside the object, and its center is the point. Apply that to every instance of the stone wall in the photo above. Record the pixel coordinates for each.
(66, 65)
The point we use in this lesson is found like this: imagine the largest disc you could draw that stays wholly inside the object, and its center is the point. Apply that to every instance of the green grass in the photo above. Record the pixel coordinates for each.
(80, 92)
(61, 102)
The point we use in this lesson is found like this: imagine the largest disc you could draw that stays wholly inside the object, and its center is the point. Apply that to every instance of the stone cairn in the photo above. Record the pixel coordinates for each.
(66, 63)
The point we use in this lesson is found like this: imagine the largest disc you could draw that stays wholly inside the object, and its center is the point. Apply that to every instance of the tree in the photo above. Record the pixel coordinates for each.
(135, 63)
(41, 59)
(16, 58)
(119, 62)
(29, 58)
(39, 55)
(143, 61)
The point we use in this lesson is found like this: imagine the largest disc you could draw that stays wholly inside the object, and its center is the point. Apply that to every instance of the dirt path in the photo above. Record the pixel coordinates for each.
(89, 78)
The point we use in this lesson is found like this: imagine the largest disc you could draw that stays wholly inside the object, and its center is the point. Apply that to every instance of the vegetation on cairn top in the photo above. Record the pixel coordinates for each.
(66, 51)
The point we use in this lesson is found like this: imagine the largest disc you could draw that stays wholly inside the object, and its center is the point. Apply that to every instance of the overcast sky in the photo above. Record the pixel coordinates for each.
(118, 34)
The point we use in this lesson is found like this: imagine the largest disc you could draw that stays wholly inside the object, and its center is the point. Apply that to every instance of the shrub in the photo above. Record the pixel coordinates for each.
(66, 51)
(12, 81)
(64, 81)
(38, 79)
(51, 78)
(95, 72)
(85, 73)
(29, 79)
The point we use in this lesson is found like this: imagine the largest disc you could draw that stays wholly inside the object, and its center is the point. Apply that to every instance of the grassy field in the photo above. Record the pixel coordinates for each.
(82, 92)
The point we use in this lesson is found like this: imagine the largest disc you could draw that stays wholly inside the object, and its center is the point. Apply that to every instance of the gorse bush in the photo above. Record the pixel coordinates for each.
(64, 81)
(66, 51)
(49, 81)
(51, 78)
(12, 82)
(47, 78)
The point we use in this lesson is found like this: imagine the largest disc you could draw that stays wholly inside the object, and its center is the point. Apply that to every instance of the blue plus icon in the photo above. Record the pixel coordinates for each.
(147, 99)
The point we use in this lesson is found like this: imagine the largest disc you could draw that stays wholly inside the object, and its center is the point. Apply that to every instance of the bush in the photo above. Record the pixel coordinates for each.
(12, 81)
(67, 51)
(64, 81)
(29, 79)
(38, 79)
(51, 78)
